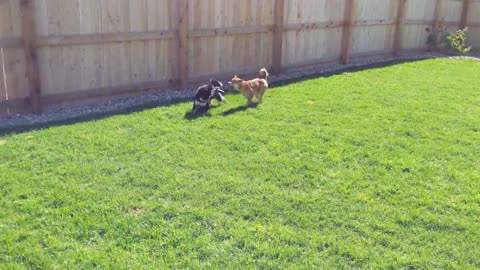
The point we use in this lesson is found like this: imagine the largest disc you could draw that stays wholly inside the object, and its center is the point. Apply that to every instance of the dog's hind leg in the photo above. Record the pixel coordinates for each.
(260, 95)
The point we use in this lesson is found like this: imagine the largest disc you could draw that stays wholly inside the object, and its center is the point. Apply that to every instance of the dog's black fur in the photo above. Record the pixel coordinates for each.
(205, 93)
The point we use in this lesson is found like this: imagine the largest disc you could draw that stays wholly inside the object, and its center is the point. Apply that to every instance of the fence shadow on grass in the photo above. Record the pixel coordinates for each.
(4, 130)
(21, 128)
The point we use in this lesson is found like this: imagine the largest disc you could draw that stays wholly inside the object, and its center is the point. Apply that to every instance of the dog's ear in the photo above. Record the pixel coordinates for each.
(216, 83)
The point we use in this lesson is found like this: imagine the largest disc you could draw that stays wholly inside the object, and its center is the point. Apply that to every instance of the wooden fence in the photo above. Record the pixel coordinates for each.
(53, 51)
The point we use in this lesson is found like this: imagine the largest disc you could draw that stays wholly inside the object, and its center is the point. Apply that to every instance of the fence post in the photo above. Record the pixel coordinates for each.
(183, 43)
(438, 12)
(464, 17)
(30, 50)
(436, 23)
(347, 32)
(279, 12)
(398, 37)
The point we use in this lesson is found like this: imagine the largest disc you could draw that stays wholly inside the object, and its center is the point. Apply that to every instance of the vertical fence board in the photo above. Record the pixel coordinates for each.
(172, 59)
(31, 58)
(116, 56)
(464, 14)
(347, 31)
(183, 42)
(154, 48)
(3, 89)
(279, 12)
(212, 42)
(473, 19)
(42, 29)
(91, 22)
(15, 82)
(55, 61)
(169, 57)
(138, 49)
(4, 32)
(267, 38)
(399, 27)
(72, 55)
(438, 13)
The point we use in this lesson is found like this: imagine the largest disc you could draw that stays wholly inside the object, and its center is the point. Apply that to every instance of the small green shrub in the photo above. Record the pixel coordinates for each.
(457, 41)
(452, 42)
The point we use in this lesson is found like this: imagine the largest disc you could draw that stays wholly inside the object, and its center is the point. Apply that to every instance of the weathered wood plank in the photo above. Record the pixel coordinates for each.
(464, 15)
(183, 43)
(78, 39)
(279, 11)
(11, 42)
(33, 74)
(347, 32)
(398, 36)
(230, 31)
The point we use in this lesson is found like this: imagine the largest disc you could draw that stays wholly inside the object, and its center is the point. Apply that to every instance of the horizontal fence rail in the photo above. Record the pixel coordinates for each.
(54, 51)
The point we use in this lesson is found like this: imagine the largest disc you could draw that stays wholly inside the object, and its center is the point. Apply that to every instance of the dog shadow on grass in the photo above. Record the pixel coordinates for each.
(189, 115)
(200, 113)
(239, 109)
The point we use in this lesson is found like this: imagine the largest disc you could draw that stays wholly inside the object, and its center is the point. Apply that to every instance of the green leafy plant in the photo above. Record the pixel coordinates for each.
(439, 38)
(457, 41)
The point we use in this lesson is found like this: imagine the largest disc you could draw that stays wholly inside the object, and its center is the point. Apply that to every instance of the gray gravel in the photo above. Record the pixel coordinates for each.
(95, 109)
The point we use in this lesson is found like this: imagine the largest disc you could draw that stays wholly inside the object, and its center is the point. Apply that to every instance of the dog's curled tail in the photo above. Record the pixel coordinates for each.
(263, 74)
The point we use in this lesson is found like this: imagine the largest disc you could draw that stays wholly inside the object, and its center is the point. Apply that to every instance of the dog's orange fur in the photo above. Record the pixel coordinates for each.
(252, 88)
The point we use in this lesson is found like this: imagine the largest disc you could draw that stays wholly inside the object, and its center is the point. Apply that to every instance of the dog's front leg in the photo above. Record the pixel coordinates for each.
(249, 97)
(250, 101)
(194, 107)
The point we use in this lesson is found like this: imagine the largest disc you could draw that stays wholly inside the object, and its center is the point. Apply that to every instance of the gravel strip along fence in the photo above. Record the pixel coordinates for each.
(72, 113)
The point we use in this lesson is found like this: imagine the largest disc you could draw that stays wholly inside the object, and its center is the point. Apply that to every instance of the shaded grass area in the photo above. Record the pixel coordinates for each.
(378, 168)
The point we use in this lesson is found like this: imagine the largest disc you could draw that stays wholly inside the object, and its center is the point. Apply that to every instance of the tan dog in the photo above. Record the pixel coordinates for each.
(253, 88)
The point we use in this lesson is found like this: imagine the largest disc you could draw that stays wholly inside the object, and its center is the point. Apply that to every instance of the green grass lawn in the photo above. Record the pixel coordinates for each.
(379, 168)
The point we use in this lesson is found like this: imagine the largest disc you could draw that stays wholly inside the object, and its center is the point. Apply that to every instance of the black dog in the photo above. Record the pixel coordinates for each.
(205, 93)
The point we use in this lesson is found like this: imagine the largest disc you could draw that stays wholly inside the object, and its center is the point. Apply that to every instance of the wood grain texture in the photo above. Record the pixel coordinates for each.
(419, 14)
(377, 31)
(31, 59)
(15, 84)
(279, 11)
(347, 31)
(183, 13)
(313, 30)
(3, 86)
(464, 14)
(398, 36)
(473, 19)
